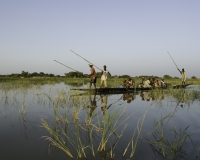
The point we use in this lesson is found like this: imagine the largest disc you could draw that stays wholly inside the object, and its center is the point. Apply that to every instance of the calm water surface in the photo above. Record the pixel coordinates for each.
(21, 111)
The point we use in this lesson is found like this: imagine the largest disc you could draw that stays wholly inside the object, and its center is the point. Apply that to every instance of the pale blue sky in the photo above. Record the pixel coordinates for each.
(130, 36)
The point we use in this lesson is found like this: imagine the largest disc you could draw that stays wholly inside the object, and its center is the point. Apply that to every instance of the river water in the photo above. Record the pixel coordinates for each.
(168, 121)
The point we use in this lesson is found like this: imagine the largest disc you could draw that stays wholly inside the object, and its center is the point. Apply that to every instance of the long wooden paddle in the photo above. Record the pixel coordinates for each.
(86, 60)
(68, 67)
(173, 60)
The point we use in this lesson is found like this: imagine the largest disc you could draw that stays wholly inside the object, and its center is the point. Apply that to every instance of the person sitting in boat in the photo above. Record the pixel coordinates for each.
(125, 85)
(133, 83)
(152, 81)
(130, 82)
(157, 83)
(183, 73)
(147, 83)
(162, 81)
(140, 85)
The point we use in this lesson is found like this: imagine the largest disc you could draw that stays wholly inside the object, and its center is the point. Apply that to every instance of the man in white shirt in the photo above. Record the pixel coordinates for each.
(104, 76)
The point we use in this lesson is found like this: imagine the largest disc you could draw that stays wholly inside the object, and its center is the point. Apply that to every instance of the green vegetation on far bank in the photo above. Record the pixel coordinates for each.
(112, 82)
(24, 74)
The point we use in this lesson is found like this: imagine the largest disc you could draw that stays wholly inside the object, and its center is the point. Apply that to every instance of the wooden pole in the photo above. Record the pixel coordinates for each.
(173, 60)
(67, 66)
(86, 60)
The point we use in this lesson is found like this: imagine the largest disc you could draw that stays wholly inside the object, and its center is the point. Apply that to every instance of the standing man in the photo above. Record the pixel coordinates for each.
(93, 76)
(183, 73)
(104, 75)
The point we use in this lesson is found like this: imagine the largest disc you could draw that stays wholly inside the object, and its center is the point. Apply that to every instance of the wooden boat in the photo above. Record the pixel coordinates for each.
(124, 90)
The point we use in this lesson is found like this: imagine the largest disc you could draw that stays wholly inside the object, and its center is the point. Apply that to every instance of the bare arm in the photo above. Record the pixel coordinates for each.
(179, 71)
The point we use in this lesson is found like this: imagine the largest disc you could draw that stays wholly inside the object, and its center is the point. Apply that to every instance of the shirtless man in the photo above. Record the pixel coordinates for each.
(93, 76)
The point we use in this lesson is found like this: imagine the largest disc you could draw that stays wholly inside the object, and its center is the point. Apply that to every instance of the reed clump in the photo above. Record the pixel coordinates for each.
(79, 135)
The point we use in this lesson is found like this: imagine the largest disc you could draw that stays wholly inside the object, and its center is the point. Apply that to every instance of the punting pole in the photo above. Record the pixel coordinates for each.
(173, 60)
(86, 60)
(67, 66)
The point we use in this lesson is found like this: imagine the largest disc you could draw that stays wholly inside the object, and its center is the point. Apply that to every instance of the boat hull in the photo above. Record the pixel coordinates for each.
(124, 90)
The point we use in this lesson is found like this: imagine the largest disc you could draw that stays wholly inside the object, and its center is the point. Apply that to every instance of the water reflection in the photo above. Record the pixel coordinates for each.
(93, 105)
(67, 119)
(103, 98)
(173, 146)
(145, 95)
(104, 103)
(129, 97)
(25, 123)
(103, 135)
(76, 84)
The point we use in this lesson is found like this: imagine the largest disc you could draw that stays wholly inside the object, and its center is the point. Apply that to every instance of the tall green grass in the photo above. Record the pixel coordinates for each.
(76, 136)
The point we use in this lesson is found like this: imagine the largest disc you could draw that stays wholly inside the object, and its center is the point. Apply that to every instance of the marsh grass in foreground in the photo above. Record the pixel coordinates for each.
(101, 138)
(169, 148)
(83, 138)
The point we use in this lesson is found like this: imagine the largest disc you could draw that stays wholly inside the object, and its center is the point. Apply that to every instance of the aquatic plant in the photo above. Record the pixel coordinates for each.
(135, 136)
(167, 147)
(78, 136)
(22, 109)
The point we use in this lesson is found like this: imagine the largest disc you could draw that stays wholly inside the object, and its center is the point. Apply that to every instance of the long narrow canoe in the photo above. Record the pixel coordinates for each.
(124, 90)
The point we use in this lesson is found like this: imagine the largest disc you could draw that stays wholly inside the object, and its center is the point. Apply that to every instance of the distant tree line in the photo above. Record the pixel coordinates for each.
(80, 75)
(29, 75)
(76, 75)
(169, 77)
